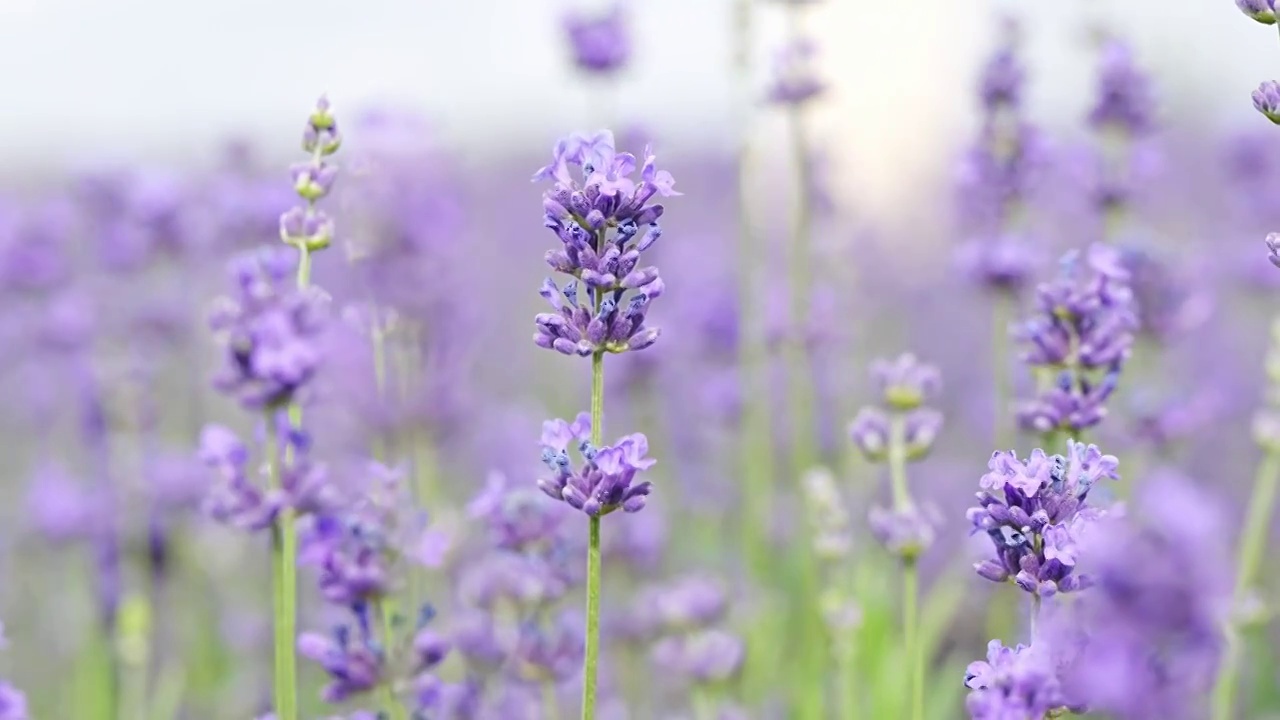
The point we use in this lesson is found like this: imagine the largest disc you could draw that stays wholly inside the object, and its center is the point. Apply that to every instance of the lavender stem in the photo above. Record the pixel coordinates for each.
(283, 587)
(910, 579)
(1252, 545)
(392, 706)
(593, 545)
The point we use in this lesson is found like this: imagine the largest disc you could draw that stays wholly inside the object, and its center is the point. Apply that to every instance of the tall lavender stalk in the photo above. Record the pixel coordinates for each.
(903, 430)
(598, 221)
(1266, 99)
(996, 178)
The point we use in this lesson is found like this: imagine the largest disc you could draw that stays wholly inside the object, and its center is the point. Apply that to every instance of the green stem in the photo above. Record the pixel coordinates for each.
(1253, 541)
(847, 679)
(1035, 614)
(390, 704)
(912, 638)
(897, 461)
(592, 659)
(804, 437)
(704, 707)
(1000, 316)
(550, 703)
(283, 588)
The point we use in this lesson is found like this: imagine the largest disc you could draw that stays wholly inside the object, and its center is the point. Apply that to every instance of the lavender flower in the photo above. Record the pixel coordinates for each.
(1017, 682)
(795, 81)
(1273, 248)
(1261, 10)
(13, 703)
(307, 227)
(354, 664)
(1125, 102)
(237, 500)
(703, 657)
(602, 43)
(604, 483)
(904, 385)
(269, 332)
(1034, 512)
(1144, 641)
(599, 224)
(906, 533)
(1266, 100)
(1084, 329)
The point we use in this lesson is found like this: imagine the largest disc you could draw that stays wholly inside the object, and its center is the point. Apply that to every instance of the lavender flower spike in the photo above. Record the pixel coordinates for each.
(600, 44)
(605, 482)
(601, 223)
(1273, 248)
(1266, 100)
(1034, 511)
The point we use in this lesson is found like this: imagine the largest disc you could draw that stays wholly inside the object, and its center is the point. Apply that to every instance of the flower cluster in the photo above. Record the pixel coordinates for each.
(1145, 640)
(307, 227)
(1018, 682)
(904, 385)
(1124, 103)
(600, 44)
(237, 500)
(599, 223)
(605, 481)
(1079, 341)
(269, 330)
(998, 173)
(1034, 511)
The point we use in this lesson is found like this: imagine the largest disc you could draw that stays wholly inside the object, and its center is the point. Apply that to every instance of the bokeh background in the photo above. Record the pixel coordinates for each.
(143, 144)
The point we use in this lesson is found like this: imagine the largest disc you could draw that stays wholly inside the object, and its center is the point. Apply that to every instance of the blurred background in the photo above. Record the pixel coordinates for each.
(144, 145)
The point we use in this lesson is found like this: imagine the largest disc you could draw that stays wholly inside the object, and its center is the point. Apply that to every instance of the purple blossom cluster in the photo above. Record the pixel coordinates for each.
(1078, 342)
(600, 43)
(1017, 682)
(13, 703)
(605, 482)
(602, 224)
(1035, 511)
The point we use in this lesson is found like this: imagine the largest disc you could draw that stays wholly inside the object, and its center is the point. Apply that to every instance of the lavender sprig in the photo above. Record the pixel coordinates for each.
(598, 220)
(13, 703)
(903, 430)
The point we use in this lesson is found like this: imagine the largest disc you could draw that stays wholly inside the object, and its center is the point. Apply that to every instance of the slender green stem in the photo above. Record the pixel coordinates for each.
(390, 704)
(704, 706)
(1253, 540)
(550, 702)
(912, 638)
(1035, 614)
(592, 660)
(897, 460)
(283, 588)
(799, 368)
(1002, 312)
(847, 680)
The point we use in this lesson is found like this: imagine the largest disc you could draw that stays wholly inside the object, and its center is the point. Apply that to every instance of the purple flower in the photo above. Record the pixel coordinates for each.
(905, 383)
(599, 225)
(1013, 683)
(795, 81)
(1266, 100)
(1144, 642)
(1082, 334)
(705, 656)
(1124, 98)
(1261, 10)
(13, 704)
(1034, 512)
(1002, 262)
(1002, 80)
(600, 43)
(551, 652)
(605, 481)
(1273, 248)
(269, 332)
(904, 533)
(355, 665)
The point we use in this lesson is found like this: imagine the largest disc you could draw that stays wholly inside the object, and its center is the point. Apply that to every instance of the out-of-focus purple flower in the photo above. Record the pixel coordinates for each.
(1034, 512)
(599, 223)
(604, 483)
(355, 665)
(1261, 10)
(904, 533)
(1124, 100)
(269, 332)
(1143, 643)
(1017, 682)
(905, 383)
(1169, 303)
(515, 517)
(1001, 83)
(34, 252)
(599, 43)
(1003, 262)
(795, 79)
(1083, 328)
(59, 506)
(705, 656)
(13, 703)
(552, 652)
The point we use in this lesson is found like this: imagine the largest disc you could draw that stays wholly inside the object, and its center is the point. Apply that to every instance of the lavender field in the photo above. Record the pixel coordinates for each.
(634, 422)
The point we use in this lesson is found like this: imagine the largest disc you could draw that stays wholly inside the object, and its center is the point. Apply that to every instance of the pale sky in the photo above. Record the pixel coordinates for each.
(164, 79)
